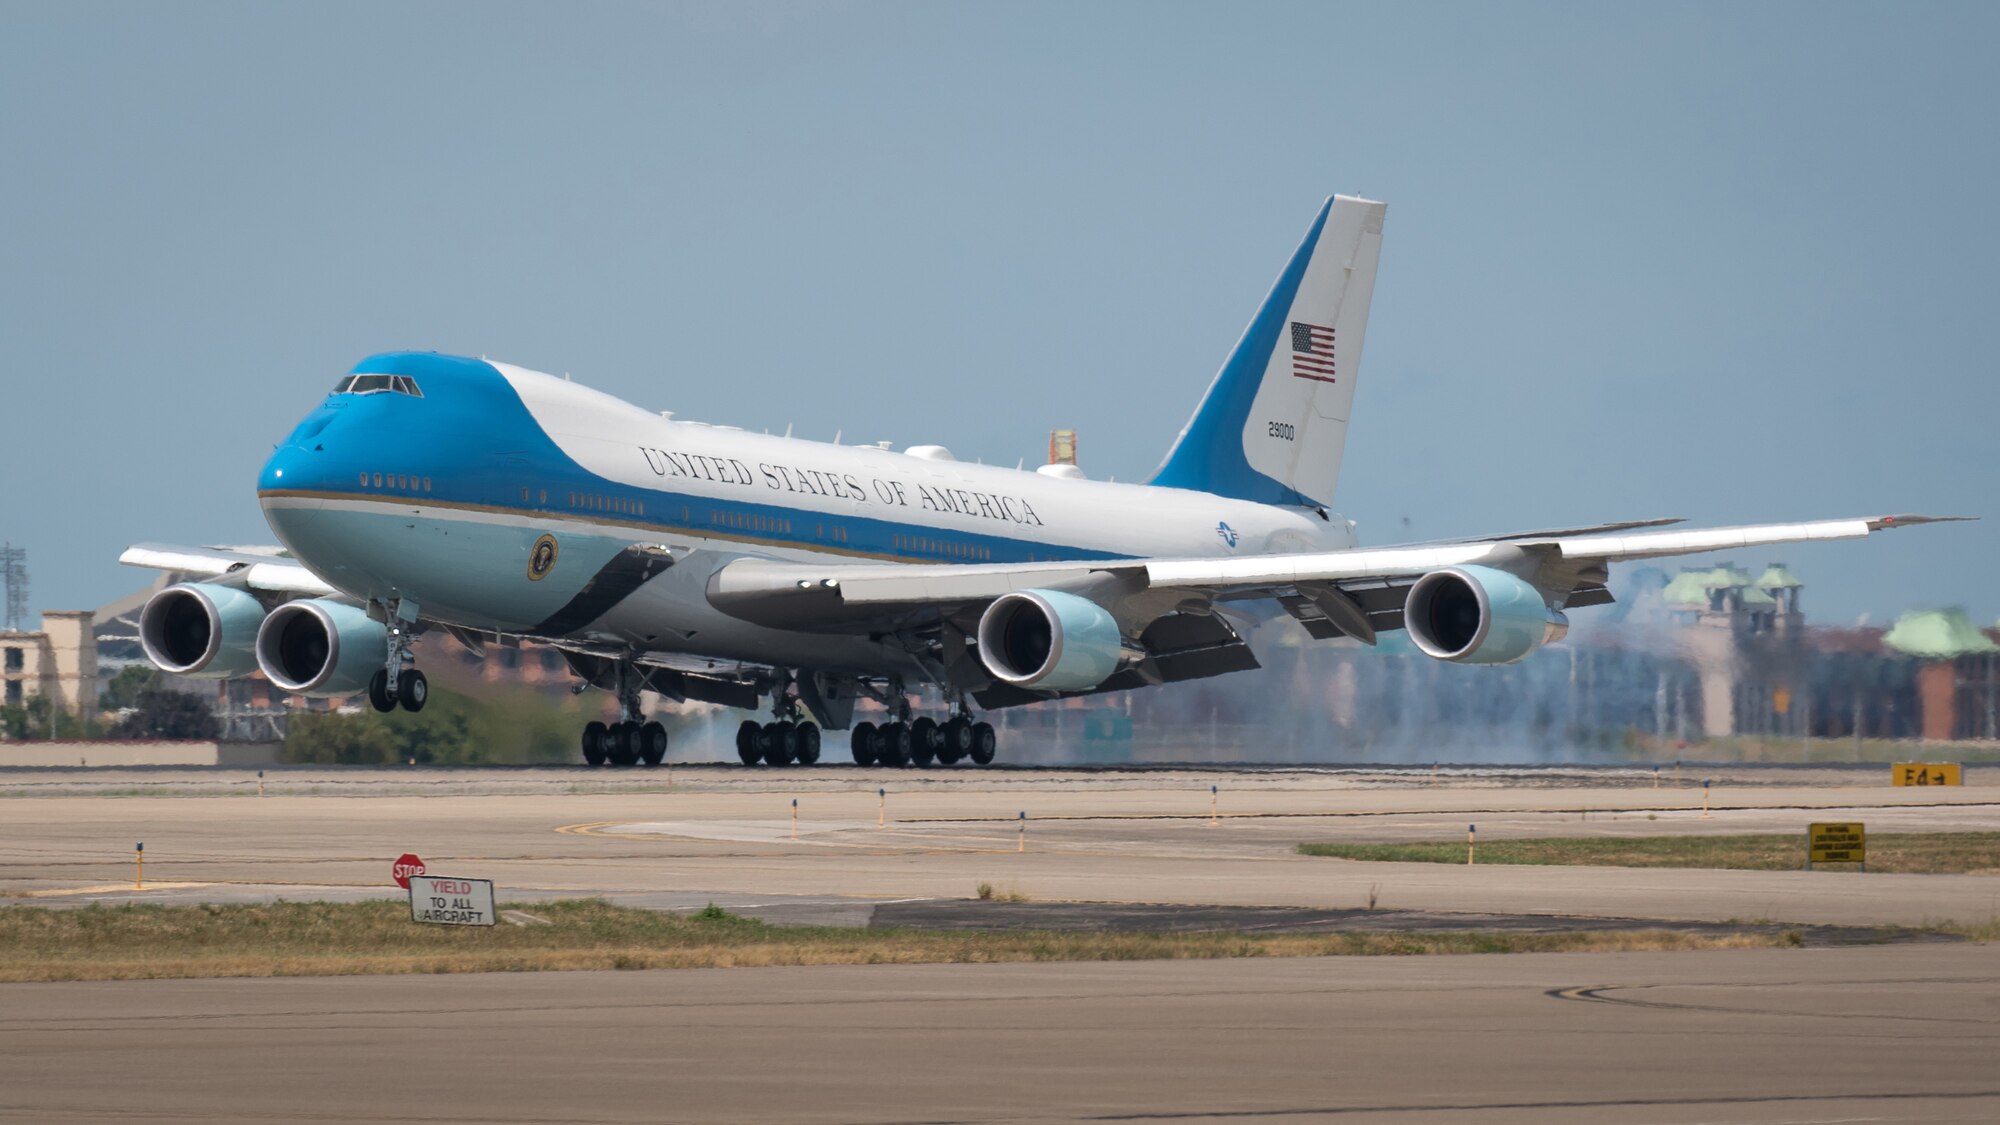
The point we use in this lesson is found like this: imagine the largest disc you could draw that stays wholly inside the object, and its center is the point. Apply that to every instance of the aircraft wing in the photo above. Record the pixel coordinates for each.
(267, 569)
(1265, 570)
(1570, 569)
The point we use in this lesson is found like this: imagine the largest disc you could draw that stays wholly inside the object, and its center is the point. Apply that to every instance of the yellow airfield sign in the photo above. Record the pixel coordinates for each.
(1926, 773)
(1836, 843)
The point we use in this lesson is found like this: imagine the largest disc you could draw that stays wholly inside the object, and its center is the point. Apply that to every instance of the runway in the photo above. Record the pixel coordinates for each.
(1105, 837)
(1880, 1034)
(1829, 1032)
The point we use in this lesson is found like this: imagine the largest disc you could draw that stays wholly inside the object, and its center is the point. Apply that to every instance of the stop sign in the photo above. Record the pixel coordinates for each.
(407, 864)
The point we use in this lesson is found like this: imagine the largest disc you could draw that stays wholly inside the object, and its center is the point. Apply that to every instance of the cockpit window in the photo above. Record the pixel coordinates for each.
(372, 384)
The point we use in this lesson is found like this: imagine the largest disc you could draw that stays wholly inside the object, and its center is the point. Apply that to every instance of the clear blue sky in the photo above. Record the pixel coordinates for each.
(1732, 262)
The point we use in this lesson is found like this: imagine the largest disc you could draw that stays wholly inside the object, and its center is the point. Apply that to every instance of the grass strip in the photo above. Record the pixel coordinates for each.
(1923, 853)
(131, 942)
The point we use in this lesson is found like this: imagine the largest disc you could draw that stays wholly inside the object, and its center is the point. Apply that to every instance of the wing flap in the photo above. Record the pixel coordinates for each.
(817, 596)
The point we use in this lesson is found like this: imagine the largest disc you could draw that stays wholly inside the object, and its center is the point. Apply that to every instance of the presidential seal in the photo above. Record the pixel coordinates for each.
(542, 559)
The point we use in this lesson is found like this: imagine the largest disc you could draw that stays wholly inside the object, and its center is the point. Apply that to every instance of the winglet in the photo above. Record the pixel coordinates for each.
(1883, 523)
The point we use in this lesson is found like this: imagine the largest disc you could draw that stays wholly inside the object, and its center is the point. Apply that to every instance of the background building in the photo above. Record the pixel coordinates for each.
(58, 661)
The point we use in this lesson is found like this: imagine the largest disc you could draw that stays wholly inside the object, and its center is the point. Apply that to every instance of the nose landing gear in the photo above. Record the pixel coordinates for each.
(396, 682)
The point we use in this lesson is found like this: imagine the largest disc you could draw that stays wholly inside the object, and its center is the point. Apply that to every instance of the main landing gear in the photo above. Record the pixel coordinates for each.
(785, 740)
(631, 739)
(396, 682)
(924, 741)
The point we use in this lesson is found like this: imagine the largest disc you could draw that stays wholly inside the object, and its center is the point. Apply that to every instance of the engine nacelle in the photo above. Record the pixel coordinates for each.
(321, 647)
(1049, 640)
(201, 630)
(1479, 615)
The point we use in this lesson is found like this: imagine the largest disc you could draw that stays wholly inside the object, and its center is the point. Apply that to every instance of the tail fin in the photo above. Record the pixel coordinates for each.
(1273, 423)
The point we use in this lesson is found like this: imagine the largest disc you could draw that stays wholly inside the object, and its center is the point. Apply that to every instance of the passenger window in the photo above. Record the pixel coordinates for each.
(378, 480)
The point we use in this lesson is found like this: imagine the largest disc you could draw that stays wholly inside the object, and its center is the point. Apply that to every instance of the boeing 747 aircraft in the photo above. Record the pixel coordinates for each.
(434, 492)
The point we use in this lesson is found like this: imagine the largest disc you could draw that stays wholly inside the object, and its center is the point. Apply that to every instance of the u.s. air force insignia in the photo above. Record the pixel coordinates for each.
(542, 559)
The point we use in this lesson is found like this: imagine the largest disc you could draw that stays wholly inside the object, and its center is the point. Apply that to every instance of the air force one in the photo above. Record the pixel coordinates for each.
(704, 562)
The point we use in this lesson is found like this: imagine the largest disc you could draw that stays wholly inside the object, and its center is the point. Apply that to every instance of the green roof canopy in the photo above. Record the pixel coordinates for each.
(1776, 577)
(1686, 589)
(1938, 634)
(1726, 575)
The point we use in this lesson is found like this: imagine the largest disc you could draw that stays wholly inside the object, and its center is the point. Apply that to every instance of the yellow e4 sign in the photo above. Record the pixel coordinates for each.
(1836, 843)
(1926, 773)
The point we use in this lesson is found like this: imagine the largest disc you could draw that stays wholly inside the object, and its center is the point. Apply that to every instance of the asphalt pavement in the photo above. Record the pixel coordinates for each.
(1883, 1034)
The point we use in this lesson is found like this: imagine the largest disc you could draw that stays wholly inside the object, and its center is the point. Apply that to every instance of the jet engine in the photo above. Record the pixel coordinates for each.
(1049, 640)
(201, 630)
(321, 647)
(1479, 615)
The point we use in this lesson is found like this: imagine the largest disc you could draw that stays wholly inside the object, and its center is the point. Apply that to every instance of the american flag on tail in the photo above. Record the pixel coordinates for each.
(1312, 352)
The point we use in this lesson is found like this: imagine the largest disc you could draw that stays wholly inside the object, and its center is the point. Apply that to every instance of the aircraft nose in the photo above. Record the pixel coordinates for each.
(302, 460)
(288, 468)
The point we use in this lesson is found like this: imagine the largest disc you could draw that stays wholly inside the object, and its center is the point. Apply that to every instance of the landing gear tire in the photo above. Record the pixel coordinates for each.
(652, 744)
(624, 744)
(412, 690)
(924, 742)
(749, 742)
(957, 740)
(983, 743)
(808, 748)
(780, 743)
(593, 743)
(892, 744)
(378, 691)
(862, 742)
